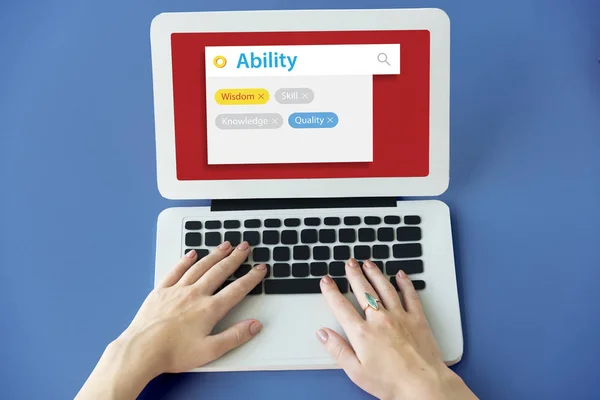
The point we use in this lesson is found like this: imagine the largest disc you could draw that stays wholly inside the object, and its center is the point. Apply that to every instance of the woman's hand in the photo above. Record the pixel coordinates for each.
(392, 352)
(172, 330)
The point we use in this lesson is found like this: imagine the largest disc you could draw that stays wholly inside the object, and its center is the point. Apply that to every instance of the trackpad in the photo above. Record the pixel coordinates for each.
(289, 330)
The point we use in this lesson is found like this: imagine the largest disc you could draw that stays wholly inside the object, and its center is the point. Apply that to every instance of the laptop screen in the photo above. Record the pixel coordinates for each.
(301, 105)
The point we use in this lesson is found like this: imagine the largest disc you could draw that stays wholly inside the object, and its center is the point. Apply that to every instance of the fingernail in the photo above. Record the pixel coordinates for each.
(322, 335)
(327, 279)
(191, 254)
(255, 327)
(225, 245)
(369, 264)
(401, 274)
(261, 267)
(352, 263)
(243, 246)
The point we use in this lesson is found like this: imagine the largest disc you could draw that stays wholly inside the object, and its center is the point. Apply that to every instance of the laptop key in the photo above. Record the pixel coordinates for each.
(321, 253)
(213, 238)
(301, 252)
(352, 220)
(381, 251)
(201, 253)
(341, 253)
(372, 220)
(231, 224)
(291, 222)
(252, 223)
(318, 269)
(281, 254)
(289, 237)
(327, 236)
(379, 265)
(391, 219)
(271, 237)
(268, 274)
(408, 234)
(213, 224)
(411, 250)
(234, 238)
(408, 266)
(300, 270)
(252, 237)
(193, 239)
(347, 235)
(299, 286)
(337, 268)
(418, 284)
(242, 270)
(385, 234)
(281, 270)
(312, 221)
(261, 254)
(366, 235)
(258, 289)
(193, 225)
(332, 221)
(272, 223)
(362, 252)
(309, 236)
(412, 220)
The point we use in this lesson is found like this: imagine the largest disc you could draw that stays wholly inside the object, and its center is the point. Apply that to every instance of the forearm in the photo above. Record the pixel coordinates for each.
(120, 374)
(447, 385)
(454, 387)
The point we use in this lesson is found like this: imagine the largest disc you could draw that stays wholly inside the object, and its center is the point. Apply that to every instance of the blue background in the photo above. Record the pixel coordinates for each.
(78, 196)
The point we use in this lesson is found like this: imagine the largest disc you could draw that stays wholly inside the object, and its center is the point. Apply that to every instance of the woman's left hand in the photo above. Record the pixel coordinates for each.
(172, 330)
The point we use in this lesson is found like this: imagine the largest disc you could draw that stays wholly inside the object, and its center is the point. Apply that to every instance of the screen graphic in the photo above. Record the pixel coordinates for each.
(293, 104)
(298, 105)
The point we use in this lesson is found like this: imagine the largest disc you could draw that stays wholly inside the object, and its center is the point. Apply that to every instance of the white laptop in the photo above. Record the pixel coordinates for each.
(303, 127)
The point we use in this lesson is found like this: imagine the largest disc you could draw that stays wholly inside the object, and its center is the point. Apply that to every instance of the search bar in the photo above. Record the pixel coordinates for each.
(359, 59)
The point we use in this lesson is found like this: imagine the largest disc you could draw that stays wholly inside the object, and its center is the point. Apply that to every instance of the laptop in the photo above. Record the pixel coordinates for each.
(304, 128)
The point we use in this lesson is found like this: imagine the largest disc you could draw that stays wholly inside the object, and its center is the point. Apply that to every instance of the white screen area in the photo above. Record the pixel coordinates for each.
(293, 104)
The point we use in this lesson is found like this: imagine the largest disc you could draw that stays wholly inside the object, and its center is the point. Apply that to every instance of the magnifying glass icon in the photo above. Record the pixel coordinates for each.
(382, 58)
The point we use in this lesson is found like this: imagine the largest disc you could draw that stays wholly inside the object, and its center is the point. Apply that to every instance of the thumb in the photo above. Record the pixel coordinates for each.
(339, 350)
(234, 336)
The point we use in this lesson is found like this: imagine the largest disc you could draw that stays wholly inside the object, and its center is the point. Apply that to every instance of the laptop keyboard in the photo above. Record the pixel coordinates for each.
(298, 252)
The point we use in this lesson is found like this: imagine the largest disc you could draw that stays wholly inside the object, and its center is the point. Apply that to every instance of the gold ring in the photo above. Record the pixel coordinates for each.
(371, 302)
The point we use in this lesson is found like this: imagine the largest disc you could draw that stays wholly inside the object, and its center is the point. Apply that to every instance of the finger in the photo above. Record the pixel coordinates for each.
(412, 303)
(341, 307)
(339, 350)
(233, 337)
(360, 284)
(386, 291)
(217, 274)
(236, 291)
(203, 265)
(177, 272)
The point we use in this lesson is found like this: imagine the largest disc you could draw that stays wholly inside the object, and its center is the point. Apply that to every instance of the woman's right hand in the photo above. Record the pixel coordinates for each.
(392, 352)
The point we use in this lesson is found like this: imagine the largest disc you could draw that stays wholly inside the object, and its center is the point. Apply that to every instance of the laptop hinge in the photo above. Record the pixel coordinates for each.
(286, 204)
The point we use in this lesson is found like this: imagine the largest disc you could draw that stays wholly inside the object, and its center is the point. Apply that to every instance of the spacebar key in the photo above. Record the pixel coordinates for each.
(299, 286)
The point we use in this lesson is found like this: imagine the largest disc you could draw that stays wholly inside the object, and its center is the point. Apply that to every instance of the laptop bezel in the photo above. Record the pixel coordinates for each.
(434, 20)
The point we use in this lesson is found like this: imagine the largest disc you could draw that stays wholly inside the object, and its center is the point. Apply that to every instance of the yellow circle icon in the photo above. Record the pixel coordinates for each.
(220, 61)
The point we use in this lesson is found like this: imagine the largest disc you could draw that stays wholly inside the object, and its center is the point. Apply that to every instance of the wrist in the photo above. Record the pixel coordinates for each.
(127, 366)
(132, 359)
(121, 373)
(455, 387)
(441, 384)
